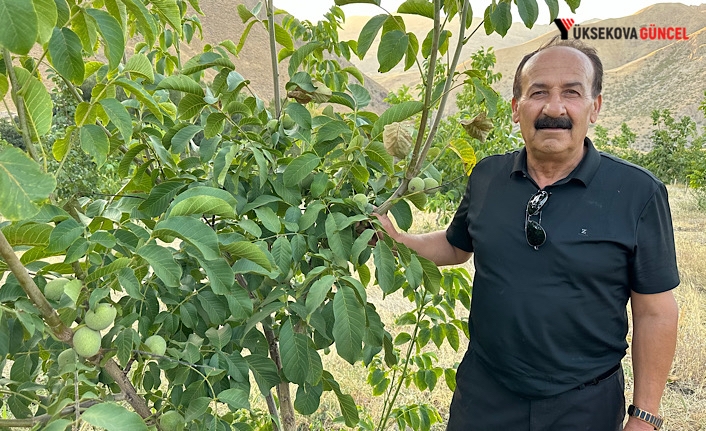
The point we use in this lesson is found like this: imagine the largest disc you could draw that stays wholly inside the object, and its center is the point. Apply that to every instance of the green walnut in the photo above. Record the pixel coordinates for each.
(156, 344)
(66, 357)
(272, 125)
(87, 342)
(171, 421)
(55, 288)
(102, 317)
(288, 122)
(360, 199)
(416, 184)
(430, 183)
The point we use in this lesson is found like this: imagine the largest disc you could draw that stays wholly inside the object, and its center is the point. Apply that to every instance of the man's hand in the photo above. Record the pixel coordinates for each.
(388, 226)
(635, 424)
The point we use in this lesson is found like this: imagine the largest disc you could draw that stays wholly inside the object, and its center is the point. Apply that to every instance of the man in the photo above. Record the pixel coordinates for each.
(562, 236)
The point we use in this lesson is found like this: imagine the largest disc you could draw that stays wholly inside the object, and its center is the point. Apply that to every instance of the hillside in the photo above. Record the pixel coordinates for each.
(221, 21)
(640, 75)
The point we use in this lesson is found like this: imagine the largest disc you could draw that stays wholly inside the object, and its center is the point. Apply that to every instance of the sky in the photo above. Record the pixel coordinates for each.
(313, 10)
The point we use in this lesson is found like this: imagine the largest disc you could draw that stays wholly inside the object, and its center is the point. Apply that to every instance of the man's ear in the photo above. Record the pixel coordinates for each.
(515, 112)
(597, 103)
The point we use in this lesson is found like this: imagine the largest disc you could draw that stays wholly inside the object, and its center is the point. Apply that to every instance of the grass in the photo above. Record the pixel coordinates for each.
(684, 400)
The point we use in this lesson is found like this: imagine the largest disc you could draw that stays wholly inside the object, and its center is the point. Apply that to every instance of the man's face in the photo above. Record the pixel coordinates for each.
(556, 106)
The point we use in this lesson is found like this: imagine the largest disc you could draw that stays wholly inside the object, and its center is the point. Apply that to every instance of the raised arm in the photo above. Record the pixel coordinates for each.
(433, 245)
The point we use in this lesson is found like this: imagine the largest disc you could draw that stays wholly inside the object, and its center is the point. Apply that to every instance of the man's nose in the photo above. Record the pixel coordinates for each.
(554, 106)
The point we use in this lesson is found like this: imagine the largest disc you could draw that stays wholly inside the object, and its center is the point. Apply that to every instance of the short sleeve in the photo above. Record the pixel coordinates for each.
(654, 268)
(457, 232)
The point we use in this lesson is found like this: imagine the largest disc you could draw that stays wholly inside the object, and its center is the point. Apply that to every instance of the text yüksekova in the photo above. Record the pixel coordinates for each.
(651, 32)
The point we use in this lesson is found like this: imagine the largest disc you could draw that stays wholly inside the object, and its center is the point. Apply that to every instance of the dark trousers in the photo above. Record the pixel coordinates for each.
(480, 403)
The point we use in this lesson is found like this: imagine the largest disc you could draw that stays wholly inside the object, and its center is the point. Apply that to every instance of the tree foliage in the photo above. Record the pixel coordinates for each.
(234, 234)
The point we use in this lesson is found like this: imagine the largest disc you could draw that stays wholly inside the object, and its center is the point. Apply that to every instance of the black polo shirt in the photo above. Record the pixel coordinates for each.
(544, 321)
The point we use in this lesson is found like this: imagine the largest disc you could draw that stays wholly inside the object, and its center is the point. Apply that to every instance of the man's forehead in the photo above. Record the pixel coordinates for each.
(559, 60)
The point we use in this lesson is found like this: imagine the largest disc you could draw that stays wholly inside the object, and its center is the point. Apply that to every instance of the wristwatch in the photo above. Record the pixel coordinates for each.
(654, 420)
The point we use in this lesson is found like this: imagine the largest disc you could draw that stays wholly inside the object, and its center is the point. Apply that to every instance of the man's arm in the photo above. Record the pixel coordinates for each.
(433, 246)
(655, 318)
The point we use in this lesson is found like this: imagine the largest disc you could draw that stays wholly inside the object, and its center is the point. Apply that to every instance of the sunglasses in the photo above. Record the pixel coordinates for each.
(534, 232)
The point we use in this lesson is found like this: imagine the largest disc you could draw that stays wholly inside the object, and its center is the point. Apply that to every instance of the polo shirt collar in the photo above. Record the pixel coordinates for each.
(584, 172)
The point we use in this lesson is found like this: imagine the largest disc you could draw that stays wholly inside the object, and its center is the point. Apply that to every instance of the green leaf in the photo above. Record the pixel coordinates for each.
(205, 61)
(264, 371)
(300, 168)
(143, 19)
(206, 205)
(248, 250)
(141, 65)
(162, 262)
(142, 95)
(4, 85)
(182, 83)
(376, 152)
(101, 272)
(384, 267)
(298, 57)
(119, 116)
(19, 27)
(335, 239)
(308, 398)
(573, 4)
(417, 7)
(193, 231)
(282, 253)
(432, 276)
(237, 397)
(395, 114)
(393, 46)
(300, 362)
(181, 139)
(529, 11)
(65, 52)
(269, 219)
(349, 326)
(95, 142)
(403, 214)
(47, 14)
(32, 234)
(170, 10)
(22, 185)
(283, 37)
(501, 17)
(160, 197)
(124, 342)
(317, 292)
(113, 37)
(38, 103)
(369, 33)
(412, 50)
(113, 417)
(553, 6)
(203, 191)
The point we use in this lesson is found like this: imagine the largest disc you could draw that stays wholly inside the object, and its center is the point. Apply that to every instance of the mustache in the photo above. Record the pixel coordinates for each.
(552, 123)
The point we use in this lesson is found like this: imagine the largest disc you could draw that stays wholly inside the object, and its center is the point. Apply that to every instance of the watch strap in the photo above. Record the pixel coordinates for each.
(645, 416)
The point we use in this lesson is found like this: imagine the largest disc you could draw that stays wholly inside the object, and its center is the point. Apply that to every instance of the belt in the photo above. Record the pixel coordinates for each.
(600, 378)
